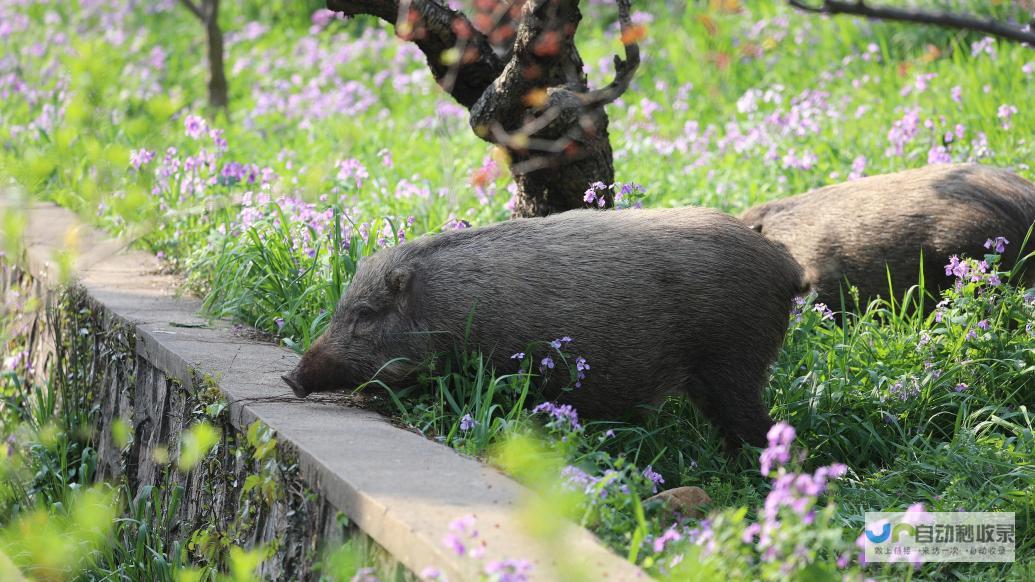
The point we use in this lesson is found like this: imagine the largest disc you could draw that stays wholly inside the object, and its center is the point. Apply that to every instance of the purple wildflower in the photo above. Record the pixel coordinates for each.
(580, 367)
(858, 168)
(564, 413)
(322, 17)
(938, 154)
(546, 364)
(985, 45)
(906, 391)
(1005, 113)
(452, 542)
(576, 479)
(902, 132)
(18, 361)
(797, 307)
(455, 224)
(998, 242)
(218, 139)
(823, 310)
(194, 126)
(780, 436)
(654, 477)
(781, 433)
(509, 570)
(467, 423)
(364, 575)
(670, 535)
(138, 158)
(961, 387)
(627, 189)
(518, 356)
(464, 525)
(591, 193)
(351, 170)
(431, 573)
(957, 267)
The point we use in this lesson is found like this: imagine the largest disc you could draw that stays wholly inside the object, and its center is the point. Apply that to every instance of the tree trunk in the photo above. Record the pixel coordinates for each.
(534, 102)
(208, 13)
(218, 98)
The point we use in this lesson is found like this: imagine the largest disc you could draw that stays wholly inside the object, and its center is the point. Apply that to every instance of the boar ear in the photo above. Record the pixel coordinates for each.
(398, 280)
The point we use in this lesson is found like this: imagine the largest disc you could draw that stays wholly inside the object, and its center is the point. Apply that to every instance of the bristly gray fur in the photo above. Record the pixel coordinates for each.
(658, 302)
(856, 228)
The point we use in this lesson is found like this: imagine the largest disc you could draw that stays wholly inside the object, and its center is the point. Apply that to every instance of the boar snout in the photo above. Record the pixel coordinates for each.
(321, 369)
(291, 380)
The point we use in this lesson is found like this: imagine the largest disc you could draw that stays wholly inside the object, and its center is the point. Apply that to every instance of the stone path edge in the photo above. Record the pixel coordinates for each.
(399, 488)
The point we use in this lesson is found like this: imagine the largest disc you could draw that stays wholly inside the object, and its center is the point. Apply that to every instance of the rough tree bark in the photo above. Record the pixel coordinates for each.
(534, 100)
(208, 13)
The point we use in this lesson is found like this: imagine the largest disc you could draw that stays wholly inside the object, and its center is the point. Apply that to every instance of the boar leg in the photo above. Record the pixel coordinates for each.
(733, 403)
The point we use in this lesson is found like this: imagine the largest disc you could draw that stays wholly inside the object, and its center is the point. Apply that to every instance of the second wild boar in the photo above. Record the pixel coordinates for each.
(863, 229)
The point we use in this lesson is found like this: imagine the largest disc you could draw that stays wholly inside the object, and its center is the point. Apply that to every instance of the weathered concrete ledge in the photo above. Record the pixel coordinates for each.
(399, 488)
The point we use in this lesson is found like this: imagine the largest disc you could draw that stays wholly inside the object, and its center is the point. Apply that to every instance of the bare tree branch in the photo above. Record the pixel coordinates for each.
(944, 19)
(624, 70)
(194, 9)
(459, 56)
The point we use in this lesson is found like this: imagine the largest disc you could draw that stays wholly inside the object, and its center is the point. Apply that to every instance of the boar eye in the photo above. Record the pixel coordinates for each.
(364, 312)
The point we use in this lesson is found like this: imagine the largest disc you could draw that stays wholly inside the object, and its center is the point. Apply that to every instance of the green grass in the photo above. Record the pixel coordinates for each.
(722, 113)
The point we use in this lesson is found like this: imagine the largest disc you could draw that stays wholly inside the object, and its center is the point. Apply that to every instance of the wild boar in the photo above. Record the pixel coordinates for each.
(658, 302)
(863, 229)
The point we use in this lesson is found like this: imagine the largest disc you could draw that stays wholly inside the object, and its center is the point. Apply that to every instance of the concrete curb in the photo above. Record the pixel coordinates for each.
(399, 488)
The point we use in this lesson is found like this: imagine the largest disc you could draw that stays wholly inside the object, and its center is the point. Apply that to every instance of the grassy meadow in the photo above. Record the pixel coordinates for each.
(338, 142)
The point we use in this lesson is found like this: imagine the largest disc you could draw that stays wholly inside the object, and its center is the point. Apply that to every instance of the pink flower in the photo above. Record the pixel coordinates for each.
(351, 170)
(938, 154)
(138, 158)
(983, 46)
(194, 126)
(430, 574)
(778, 453)
(509, 570)
(670, 535)
(1006, 113)
(858, 168)
(454, 543)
